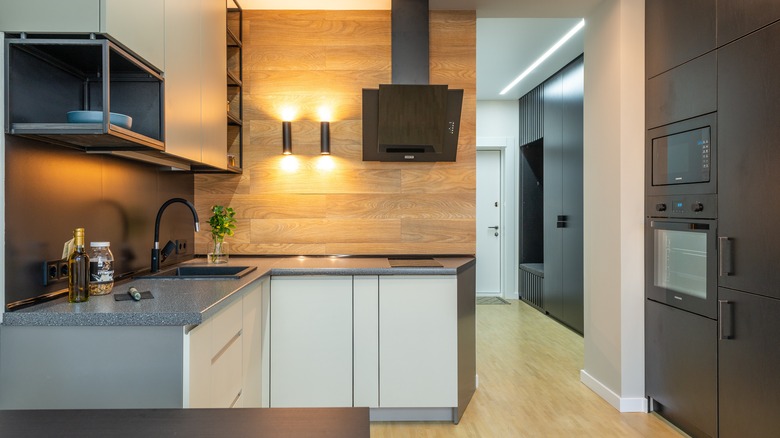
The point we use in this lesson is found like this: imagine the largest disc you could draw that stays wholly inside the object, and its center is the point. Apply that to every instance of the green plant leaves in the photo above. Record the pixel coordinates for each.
(223, 222)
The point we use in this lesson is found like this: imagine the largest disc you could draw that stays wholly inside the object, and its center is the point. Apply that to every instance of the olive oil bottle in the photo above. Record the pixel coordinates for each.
(78, 270)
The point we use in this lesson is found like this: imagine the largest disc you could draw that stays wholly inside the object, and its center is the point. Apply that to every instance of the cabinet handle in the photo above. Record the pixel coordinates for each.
(725, 320)
(562, 220)
(235, 400)
(224, 348)
(725, 262)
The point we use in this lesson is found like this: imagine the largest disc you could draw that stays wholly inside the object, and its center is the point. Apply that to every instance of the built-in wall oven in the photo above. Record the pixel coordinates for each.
(681, 253)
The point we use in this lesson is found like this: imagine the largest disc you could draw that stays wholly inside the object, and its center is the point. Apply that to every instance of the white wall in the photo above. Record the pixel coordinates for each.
(614, 197)
(497, 128)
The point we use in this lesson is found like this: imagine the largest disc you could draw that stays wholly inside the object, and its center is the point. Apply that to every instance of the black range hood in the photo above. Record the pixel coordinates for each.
(410, 120)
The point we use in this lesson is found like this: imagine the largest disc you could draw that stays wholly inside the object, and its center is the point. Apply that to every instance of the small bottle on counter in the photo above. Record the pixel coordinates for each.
(78, 269)
(101, 268)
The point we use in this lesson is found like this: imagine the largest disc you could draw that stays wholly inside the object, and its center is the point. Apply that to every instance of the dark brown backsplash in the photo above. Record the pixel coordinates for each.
(50, 190)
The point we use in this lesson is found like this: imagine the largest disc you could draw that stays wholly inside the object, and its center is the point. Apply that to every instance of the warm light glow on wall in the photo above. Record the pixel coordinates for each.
(290, 163)
(288, 113)
(325, 163)
(325, 113)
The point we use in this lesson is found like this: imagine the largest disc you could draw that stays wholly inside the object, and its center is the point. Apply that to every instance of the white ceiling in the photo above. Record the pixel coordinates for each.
(511, 35)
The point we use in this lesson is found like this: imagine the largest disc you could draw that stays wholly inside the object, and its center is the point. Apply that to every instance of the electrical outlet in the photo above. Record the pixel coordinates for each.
(54, 271)
(63, 265)
(50, 272)
(181, 246)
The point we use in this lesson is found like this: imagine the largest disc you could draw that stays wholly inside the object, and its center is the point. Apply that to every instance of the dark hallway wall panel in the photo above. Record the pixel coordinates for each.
(50, 190)
(532, 116)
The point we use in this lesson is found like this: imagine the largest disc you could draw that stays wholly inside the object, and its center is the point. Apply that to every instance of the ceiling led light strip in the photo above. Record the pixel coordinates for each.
(546, 55)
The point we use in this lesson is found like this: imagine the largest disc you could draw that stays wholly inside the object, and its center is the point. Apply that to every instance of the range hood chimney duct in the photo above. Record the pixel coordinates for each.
(410, 39)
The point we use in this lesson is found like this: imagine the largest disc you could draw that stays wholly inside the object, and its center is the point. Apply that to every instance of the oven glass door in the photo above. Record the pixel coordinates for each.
(682, 273)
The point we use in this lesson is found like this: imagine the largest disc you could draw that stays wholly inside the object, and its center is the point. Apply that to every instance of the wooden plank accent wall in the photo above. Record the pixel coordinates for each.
(314, 205)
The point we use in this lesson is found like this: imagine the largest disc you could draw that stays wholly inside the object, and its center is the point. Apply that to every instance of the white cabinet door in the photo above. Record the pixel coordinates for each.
(418, 357)
(137, 25)
(214, 77)
(254, 335)
(50, 16)
(182, 79)
(197, 367)
(226, 355)
(213, 355)
(311, 341)
(366, 341)
(195, 75)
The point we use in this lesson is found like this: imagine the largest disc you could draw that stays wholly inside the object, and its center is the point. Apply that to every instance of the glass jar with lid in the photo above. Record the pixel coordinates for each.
(101, 268)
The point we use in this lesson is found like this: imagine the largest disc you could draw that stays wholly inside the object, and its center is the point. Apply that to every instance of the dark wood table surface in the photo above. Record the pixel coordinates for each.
(187, 423)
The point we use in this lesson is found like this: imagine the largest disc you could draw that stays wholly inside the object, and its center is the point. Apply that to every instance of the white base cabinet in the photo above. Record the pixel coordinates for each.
(216, 364)
(375, 341)
(311, 341)
(222, 359)
(215, 359)
(418, 341)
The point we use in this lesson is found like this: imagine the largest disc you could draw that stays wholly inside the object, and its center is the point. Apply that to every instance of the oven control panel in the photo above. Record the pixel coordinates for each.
(682, 206)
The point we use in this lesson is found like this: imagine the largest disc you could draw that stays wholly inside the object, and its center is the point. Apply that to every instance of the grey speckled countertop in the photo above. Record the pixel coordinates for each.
(182, 302)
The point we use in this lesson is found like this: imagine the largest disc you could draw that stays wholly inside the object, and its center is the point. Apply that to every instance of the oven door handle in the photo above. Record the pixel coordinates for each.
(725, 261)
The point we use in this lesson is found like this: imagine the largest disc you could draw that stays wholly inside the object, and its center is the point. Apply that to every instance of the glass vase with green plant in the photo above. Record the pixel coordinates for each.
(223, 224)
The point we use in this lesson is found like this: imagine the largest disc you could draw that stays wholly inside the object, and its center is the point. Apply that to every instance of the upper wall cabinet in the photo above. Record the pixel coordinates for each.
(46, 79)
(738, 18)
(687, 91)
(138, 25)
(195, 52)
(677, 31)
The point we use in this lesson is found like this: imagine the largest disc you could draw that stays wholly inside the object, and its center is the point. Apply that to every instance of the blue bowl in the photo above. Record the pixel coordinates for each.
(117, 119)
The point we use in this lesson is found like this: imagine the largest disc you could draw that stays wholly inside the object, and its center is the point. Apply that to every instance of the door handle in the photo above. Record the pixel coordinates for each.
(725, 320)
(725, 261)
(494, 228)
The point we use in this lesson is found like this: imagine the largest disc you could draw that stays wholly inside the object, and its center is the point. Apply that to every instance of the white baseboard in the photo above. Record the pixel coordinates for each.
(622, 404)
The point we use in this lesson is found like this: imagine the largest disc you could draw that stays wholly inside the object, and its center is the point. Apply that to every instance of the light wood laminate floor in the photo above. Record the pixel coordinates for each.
(529, 386)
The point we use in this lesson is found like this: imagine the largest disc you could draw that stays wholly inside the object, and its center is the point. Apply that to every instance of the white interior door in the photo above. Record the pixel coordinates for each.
(489, 223)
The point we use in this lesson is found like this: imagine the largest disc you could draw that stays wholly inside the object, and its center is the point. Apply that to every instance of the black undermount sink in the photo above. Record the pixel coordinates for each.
(203, 273)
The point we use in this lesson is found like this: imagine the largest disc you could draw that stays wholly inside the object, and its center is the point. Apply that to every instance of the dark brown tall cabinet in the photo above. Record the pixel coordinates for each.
(563, 138)
(749, 293)
(722, 56)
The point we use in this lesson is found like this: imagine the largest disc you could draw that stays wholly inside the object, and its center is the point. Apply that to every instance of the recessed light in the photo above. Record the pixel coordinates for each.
(546, 55)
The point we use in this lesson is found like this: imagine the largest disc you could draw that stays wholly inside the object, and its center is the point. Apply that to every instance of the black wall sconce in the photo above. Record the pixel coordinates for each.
(286, 138)
(325, 138)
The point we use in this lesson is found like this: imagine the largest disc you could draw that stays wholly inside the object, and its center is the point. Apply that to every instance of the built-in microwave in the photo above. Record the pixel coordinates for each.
(681, 157)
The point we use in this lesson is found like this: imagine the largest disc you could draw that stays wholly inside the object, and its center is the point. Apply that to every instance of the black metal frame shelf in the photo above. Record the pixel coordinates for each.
(234, 82)
(47, 77)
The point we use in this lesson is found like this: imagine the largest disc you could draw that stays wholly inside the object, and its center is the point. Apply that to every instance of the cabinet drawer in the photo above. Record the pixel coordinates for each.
(226, 374)
(226, 324)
